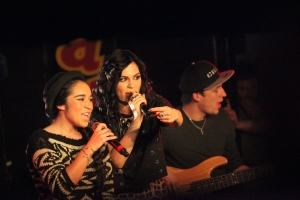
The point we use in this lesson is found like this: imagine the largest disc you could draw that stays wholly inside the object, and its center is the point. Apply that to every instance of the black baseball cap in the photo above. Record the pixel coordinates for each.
(202, 75)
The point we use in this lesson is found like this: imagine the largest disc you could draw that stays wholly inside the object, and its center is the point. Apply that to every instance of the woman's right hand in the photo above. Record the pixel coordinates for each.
(100, 136)
(135, 104)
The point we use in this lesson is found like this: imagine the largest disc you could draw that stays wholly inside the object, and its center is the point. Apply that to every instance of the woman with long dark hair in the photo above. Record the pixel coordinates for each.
(126, 102)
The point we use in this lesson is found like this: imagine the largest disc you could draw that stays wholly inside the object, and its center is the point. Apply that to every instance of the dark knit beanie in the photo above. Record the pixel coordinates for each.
(54, 85)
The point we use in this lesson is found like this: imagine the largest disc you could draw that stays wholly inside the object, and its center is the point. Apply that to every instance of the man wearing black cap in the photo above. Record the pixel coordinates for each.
(207, 130)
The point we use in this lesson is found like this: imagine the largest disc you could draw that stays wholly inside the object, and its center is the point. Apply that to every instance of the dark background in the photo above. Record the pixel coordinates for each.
(167, 37)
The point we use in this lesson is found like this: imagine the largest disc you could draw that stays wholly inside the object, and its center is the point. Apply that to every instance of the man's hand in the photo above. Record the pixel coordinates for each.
(242, 167)
(172, 185)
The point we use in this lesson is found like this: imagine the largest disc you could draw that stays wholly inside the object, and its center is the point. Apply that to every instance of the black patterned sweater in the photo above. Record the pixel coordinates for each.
(47, 156)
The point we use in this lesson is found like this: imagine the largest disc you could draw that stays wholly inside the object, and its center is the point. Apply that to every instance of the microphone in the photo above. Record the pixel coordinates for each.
(114, 143)
(145, 110)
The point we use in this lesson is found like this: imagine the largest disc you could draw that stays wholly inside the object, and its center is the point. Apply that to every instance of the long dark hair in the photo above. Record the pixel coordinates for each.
(105, 89)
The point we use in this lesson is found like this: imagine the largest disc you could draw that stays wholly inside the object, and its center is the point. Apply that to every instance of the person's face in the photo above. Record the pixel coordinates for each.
(210, 102)
(79, 105)
(130, 82)
(247, 90)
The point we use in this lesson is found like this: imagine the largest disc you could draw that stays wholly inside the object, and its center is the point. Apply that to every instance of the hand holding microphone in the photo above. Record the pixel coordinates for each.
(143, 107)
(114, 143)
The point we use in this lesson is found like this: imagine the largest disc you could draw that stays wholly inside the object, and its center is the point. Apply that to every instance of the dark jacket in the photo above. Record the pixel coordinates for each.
(146, 162)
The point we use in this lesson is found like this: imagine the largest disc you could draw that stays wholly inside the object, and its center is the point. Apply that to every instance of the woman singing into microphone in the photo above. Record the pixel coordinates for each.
(120, 91)
(66, 159)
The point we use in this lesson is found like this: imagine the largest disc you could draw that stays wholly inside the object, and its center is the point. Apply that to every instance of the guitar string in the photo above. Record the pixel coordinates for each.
(252, 172)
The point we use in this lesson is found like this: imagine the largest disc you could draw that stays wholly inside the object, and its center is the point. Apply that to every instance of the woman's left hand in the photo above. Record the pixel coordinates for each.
(167, 114)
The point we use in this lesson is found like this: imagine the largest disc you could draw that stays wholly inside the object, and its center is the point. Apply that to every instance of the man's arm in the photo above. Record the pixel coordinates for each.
(242, 167)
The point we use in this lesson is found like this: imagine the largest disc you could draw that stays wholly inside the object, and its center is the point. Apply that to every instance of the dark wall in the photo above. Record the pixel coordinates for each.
(22, 111)
(278, 56)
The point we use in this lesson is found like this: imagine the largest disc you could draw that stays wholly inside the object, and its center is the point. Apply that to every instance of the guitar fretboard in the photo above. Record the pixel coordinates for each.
(220, 182)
